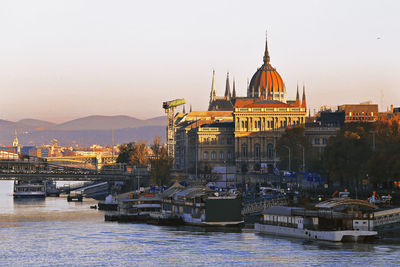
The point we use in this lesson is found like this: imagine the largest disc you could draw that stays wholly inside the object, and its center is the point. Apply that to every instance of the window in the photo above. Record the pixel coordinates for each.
(246, 125)
(221, 141)
(213, 141)
(257, 150)
(244, 150)
(213, 155)
(242, 124)
(270, 150)
(316, 141)
(230, 155)
(229, 140)
(205, 155)
(324, 141)
(221, 155)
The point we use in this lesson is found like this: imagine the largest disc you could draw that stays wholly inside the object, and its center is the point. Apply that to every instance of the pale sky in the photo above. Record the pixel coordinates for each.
(60, 60)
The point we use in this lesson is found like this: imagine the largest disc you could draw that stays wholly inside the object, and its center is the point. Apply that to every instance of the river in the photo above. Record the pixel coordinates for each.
(54, 232)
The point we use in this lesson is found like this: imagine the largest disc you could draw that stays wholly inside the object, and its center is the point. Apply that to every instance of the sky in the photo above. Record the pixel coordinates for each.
(61, 60)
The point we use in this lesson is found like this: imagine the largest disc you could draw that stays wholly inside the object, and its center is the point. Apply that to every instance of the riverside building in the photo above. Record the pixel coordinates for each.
(239, 131)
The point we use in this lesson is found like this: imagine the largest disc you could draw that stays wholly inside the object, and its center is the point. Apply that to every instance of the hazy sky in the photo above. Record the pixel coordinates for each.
(60, 60)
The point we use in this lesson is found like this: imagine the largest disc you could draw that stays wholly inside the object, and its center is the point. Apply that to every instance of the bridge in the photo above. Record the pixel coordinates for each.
(386, 217)
(39, 169)
(260, 206)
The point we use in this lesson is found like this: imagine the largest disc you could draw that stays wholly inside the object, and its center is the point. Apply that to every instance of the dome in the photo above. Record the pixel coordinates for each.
(267, 82)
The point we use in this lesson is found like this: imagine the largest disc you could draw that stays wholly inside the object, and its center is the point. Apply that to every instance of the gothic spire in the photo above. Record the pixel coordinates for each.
(183, 109)
(213, 93)
(190, 110)
(303, 101)
(227, 88)
(297, 96)
(266, 54)
(234, 89)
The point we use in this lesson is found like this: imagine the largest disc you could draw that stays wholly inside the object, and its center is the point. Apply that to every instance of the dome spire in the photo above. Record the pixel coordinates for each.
(266, 54)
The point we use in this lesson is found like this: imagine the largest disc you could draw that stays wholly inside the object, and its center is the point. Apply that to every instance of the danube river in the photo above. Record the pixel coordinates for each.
(54, 232)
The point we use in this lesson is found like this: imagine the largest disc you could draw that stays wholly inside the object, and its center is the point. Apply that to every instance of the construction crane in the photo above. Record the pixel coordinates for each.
(169, 107)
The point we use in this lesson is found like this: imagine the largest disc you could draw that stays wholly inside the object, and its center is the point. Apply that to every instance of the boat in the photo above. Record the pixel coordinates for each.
(33, 189)
(199, 206)
(337, 220)
(51, 189)
(135, 209)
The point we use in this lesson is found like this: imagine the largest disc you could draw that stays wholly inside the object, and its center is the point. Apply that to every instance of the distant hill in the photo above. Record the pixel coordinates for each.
(37, 124)
(83, 131)
(108, 122)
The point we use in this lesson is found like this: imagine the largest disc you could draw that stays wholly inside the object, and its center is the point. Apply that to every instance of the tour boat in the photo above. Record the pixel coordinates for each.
(32, 189)
(338, 220)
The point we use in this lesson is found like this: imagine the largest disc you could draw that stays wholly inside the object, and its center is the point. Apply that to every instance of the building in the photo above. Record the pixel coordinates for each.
(365, 112)
(239, 131)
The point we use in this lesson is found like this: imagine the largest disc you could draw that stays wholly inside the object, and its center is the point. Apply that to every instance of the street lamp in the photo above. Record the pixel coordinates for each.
(373, 139)
(290, 169)
(304, 168)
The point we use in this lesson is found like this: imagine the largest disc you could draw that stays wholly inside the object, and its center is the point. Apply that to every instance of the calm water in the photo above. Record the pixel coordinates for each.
(54, 232)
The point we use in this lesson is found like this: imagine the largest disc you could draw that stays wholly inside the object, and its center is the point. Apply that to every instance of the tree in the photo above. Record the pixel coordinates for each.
(294, 138)
(384, 163)
(133, 153)
(160, 164)
(347, 154)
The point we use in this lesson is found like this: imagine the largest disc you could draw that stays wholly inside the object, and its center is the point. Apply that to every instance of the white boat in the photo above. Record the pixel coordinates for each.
(29, 189)
(338, 220)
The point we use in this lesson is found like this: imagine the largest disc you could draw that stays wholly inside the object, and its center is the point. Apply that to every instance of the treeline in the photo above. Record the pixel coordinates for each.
(155, 156)
(360, 153)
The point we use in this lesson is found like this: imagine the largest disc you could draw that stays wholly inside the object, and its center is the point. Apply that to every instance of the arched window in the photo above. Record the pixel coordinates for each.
(205, 155)
(257, 150)
(244, 150)
(270, 150)
(213, 155)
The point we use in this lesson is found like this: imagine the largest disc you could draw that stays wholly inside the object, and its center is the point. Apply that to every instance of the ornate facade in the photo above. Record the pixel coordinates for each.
(253, 126)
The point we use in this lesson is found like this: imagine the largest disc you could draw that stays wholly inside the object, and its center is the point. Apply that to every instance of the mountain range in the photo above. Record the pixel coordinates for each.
(84, 131)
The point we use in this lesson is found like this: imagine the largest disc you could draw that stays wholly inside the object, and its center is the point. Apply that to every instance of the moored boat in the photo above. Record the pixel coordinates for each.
(338, 220)
(29, 189)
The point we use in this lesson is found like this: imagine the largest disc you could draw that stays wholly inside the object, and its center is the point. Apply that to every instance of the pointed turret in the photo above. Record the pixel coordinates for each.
(303, 101)
(213, 93)
(15, 141)
(183, 109)
(227, 88)
(234, 89)
(266, 54)
(297, 97)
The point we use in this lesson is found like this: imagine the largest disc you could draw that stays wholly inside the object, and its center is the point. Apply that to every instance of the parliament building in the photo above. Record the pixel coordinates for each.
(239, 131)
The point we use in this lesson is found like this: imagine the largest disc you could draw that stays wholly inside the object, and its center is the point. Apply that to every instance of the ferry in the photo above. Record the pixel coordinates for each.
(337, 220)
(29, 189)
